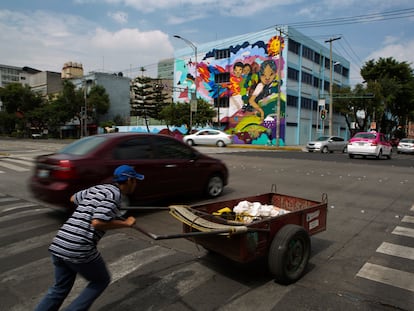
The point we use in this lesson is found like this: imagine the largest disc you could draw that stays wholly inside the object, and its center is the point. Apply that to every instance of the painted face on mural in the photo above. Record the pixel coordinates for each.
(237, 71)
(268, 75)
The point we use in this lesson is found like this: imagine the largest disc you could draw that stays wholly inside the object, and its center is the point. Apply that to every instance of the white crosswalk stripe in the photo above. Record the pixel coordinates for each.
(16, 164)
(23, 276)
(387, 275)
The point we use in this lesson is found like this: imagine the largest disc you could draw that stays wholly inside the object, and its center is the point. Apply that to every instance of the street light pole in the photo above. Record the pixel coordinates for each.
(194, 99)
(330, 83)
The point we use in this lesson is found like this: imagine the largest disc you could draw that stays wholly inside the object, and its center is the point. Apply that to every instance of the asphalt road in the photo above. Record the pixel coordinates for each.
(363, 261)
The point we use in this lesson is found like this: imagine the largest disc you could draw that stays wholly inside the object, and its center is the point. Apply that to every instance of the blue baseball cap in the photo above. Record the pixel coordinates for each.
(123, 172)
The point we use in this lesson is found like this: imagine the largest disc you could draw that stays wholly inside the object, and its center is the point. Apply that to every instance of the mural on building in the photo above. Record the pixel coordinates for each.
(253, 84)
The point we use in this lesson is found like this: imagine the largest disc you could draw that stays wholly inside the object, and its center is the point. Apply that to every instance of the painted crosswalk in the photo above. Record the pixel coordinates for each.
(16, 164)
(389, 275)
(164, 275)
(151, 276)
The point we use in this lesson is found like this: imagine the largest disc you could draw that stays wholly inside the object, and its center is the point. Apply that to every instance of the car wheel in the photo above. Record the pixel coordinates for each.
(325, 150)
(379, 155)
(351, 156)
(345, 150)
(390, 155)
(220, 143)
(215, 186)
(190, 142)
(289, 253)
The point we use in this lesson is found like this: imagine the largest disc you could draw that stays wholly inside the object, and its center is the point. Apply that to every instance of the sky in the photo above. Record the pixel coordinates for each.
(128, 35)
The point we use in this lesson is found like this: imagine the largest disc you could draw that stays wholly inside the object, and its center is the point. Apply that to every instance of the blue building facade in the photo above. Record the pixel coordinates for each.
(267, 87)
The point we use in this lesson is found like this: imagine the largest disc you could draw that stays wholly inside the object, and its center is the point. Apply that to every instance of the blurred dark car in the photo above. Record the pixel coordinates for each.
(171, 168)
(406, 145)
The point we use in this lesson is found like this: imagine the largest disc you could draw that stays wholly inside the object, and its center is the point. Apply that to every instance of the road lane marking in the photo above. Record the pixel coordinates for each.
(123, 267)
(8, 199)
(9, 208)
(396, 250)
(28, 225)
(409, 232)
(409, 219)
(26, 245)
(22, 161)
(14, 167)
(389, 276)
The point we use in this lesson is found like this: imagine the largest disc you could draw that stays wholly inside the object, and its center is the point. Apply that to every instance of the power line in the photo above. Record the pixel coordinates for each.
(375, 17)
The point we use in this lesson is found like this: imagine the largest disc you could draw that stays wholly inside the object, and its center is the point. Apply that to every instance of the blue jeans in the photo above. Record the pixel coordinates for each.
(65, 274)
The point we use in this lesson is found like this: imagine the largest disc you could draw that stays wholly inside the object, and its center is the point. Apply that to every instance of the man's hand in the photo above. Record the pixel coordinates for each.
(130, 221)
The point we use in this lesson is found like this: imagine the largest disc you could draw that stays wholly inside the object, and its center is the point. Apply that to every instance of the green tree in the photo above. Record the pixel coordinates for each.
(392, 82)
(148, 98)
(177, 114)
(98, 102)
(18, 101)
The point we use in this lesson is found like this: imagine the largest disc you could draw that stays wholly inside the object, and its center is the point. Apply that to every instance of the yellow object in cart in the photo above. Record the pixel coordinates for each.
(224, 210)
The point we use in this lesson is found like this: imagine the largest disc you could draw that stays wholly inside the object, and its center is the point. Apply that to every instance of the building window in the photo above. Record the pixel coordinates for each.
(292, 101)
(327, 63)
(222, 101)
(306, 103)
(326, 86)
(307, 53)
(345, 72)
(316, 82)
(307, 78)
(293, 74)
(220, 54)
(293, 46)
(317, 58)
(222, 77)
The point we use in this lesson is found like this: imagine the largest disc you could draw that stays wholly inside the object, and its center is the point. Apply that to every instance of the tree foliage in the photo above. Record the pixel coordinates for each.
(177, 114)
(386, 96)
(148, 98)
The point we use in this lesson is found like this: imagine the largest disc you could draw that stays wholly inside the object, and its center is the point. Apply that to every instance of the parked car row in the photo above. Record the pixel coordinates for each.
(364, 144)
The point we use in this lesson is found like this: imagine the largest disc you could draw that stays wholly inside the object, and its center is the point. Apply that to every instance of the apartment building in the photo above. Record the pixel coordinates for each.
(267, 87)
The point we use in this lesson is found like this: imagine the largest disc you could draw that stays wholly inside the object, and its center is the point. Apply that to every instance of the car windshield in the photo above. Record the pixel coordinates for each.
(365, 135)
(83, 146)
(406, 140)
(323, 138)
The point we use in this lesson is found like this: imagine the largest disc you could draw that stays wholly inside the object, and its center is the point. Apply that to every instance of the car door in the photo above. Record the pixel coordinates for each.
(338, 143)
(137, 152)
(386, 145)
(176, 165)
(203, 137)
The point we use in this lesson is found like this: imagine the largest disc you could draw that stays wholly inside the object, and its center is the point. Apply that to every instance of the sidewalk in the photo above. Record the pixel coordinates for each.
(55, 144)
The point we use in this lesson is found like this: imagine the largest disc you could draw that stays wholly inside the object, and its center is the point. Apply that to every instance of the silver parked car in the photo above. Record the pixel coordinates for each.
(327, 144)
(208, 137)
(406, 145)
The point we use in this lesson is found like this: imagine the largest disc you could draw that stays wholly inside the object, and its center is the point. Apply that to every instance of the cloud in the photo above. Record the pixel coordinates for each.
(46, 41)
(400, 51)
(119, 17)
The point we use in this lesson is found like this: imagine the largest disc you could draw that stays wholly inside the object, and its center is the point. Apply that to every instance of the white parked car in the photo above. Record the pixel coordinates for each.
(327, 144)
(406, 145)
(208, 137)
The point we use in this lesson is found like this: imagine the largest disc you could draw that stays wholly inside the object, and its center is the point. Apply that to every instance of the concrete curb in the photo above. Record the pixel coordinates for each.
(261, 147)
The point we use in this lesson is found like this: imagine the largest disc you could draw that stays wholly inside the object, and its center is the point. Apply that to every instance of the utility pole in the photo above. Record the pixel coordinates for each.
(330, 83)
(193, 101)
(279, 82)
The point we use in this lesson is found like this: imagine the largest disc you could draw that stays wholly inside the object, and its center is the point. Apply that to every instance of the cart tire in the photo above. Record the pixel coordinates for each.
(289, 254)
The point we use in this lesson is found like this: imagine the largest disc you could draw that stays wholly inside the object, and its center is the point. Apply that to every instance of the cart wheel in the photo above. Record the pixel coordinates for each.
(289, 254)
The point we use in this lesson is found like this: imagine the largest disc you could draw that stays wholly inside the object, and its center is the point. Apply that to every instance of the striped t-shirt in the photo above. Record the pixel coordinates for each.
(77, 239)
